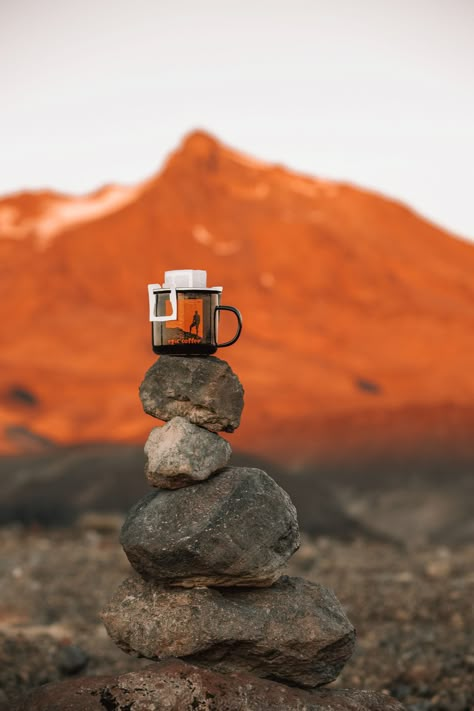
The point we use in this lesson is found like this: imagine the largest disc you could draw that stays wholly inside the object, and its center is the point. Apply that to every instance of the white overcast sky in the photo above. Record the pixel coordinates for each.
(375, 92)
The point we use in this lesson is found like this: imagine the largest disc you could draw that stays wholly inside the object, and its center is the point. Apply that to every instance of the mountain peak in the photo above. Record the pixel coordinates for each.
(202, 151)
(199, 143)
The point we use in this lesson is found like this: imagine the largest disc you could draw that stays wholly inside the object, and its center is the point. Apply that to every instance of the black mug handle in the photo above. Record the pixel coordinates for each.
(239, 324)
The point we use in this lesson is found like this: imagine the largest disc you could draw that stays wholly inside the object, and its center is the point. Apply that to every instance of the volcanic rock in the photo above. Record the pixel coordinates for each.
(295, 632)
(176, 686)
(180, 453)
(204, 390)
(236, 528)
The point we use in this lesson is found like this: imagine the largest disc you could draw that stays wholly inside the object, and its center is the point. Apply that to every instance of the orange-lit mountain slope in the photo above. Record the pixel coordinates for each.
(358, 314)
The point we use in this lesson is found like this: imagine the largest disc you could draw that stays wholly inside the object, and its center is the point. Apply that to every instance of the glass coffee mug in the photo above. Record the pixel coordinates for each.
(184, 314)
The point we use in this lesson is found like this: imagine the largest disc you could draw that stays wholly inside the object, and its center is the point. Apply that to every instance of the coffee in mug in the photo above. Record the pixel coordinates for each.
(184, 314)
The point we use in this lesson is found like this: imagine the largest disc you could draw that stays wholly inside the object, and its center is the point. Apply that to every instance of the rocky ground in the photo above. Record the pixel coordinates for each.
(412, 608)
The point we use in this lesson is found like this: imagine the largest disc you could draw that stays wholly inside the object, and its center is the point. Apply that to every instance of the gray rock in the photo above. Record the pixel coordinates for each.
(294, 631)
(72, 659)
(180, 453)
(236, 528)
(176, 686)
(204, 390)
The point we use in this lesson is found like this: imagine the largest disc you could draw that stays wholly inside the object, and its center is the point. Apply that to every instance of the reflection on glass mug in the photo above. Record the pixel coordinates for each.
(184, 314)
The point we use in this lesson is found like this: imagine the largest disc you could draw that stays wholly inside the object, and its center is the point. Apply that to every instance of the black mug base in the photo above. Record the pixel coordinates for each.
(186, 349)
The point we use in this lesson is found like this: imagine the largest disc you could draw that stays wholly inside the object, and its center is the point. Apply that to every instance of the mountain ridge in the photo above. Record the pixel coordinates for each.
(356, 311)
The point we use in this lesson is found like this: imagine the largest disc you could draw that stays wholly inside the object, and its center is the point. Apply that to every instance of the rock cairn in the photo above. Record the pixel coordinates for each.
(208, 546)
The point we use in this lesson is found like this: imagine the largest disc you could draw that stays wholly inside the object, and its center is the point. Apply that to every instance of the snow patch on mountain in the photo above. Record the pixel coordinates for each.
(60, 213)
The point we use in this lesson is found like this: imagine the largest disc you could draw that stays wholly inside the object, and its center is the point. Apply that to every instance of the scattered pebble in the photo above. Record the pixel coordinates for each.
(71, 659)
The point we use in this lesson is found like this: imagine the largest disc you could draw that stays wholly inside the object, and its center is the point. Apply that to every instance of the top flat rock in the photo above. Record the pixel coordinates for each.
(204, 390)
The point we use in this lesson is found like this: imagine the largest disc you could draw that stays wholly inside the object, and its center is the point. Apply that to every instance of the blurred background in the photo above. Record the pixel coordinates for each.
(317, 160)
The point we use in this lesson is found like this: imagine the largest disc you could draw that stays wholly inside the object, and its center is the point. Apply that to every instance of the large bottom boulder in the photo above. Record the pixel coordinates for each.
(176, 686)
(295, 631)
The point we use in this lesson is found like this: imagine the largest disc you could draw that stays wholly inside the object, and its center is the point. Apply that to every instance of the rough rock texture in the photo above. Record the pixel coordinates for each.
(237, 528)
(295, 631)
(180, 453)
(176, 686)
(83, 694)
(204, 390)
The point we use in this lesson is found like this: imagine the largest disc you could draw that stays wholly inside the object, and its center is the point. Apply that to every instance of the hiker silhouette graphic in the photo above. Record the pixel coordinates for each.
(195, 323)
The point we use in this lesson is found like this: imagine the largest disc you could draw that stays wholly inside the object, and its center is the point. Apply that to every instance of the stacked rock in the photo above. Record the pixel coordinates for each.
(209, 544)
